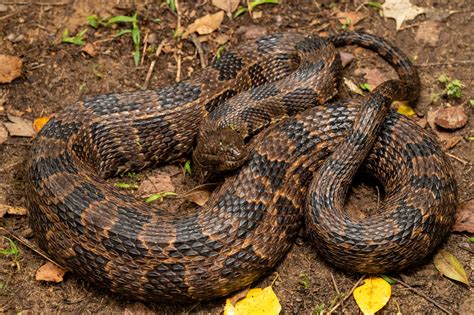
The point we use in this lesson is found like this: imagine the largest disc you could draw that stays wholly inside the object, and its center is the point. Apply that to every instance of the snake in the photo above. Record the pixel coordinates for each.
(297, 170)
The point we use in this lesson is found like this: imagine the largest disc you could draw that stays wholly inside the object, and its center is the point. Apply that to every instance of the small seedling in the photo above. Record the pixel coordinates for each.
(160, 196)
(252, 4)
(135, 31)
(471, 239)
(374, 4)
(76, 40)
(13, 252)
(471, 102)
(452, 88)
(219, 51)
(95, 21)
(319, 309)
(187, 168)
(304, 281)
(365, 87)
(171, 5)
(388, 279)
(347, 24)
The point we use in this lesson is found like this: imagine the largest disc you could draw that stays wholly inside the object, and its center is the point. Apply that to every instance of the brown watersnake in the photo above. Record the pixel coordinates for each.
(248, 225)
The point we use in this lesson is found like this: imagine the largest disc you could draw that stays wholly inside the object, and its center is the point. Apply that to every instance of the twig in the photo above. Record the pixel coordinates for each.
(335, 285)
(200, 51)
(153, 63)
(347, 295)
(178, 65)
(145, 45)
(37, 3)
(8, 15)
(454, 62)
(28, 244)
(426, 297)
(457, 158)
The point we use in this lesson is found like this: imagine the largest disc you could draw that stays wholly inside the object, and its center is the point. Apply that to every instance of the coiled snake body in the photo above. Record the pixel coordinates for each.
(248, 225)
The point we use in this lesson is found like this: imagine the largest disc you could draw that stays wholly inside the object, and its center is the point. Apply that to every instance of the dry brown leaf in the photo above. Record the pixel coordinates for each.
(19, 127)
(10, 68)
(137, 309)
(221, 39)
(350, 18)
(3, 133)
(50, 272)
(346, 58)
(252, 32)
(206, 24)
(454, 117)
(4, 209)
(401, 10)
(448, 265)
(238, 296)
(89, 49)
(200, 195)
(228, 6)
(428, 32)
(352, 86)
(465, 217)
(374, 77)
(155, 183)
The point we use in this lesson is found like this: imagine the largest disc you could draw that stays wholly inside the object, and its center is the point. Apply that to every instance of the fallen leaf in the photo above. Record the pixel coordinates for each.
(346, 58)
(4, 209)
(89, 49)
(352, 86)
(19, 127)
(228, 6)
(257, 302)
(465, 217)
(401, 10)
(454, 117)
(257, 14)
(374, 77)
(39, 122)
(404, 109)
(221, 39)
(428, 32)
(206, 24)
(155, 183)
(350, 18)
(449, 266)
(252, 32)
(50, 272)
(10, 68)
(3, 133)
(137, 309)
(238, 296)
(200, 195)
(372, 295)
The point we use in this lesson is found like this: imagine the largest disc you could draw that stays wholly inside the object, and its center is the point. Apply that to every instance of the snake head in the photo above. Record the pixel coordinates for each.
(219, 150)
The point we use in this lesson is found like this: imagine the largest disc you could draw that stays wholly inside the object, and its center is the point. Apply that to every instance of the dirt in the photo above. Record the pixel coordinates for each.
(55, 75)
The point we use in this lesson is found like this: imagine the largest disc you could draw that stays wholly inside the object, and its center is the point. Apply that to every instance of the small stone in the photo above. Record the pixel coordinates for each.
(3, 8)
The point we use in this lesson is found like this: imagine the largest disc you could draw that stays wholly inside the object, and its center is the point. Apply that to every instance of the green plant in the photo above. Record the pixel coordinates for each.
(171, 5)
(452, 88)
(160, 196)
(365, 87)
(347, 24)
(252, 4)
(134, 31)
(12, 252)
(304, 281)
(76, 40)
(187, 167)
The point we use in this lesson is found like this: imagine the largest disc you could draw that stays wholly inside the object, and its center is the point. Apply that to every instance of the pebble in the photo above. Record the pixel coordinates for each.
(3, 8)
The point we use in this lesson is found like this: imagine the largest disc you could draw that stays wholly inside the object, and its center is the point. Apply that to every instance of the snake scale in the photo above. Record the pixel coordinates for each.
(299, 167)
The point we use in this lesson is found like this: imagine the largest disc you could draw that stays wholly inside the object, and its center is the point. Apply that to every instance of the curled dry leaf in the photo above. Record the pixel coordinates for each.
(228, 6)
(454, 117)
(465, 217)
(6, 209)
(428, 32)
(10, 68)
(372, 295)
(200, 195)
(50, 272)
(137, 309)
(401, 10)
(448, 265)
(19, 127)
(206, 24)
(89, 49)
(3, 133)
(346, 58)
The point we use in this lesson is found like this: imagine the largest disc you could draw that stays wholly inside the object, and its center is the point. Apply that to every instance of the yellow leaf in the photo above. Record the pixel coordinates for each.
(38, 123)
(404, 109)
(450, 266)
(257, 302)
(372, 295)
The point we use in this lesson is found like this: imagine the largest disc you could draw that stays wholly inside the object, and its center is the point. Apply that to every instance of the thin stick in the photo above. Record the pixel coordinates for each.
(423, 295)
(457, 158)
(37, 3)
(200, 51)
(454, 62)
(178, 65)
(347, 295)
(145, 45)
(28, 244)
(8, 15)
(153, 63)
(335, 285)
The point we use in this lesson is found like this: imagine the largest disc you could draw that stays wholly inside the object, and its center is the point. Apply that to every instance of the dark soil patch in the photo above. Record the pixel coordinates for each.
(55, 75)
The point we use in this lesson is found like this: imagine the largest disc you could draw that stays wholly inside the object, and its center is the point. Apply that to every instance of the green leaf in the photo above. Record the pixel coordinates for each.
(444, 78)
(76, 40)
(253, 4)
(240, 11)
(160, 196)
(92, 19)
(448, 265)
(171, 5)
(187, 167)
(136, 57)
(122, 19)
(126, 185)
(388, 279)
(374, 4)
(304, 281)
(157, 20)
(365, 87)
(471, 239)
(219, 51)
(122, 32)
(12, 248)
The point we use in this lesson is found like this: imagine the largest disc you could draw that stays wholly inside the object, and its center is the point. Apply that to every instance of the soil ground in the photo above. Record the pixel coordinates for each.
(55, 75)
